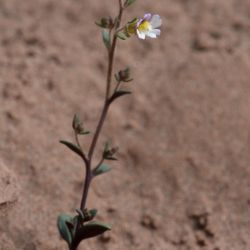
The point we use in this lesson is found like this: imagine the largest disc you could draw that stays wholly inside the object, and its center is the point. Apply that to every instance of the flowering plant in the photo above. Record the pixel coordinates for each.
(75, 228)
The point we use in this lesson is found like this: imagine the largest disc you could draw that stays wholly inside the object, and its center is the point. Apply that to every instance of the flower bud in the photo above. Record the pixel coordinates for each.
(124, 75)
(78, 126)
(109, 153)
(106, 23)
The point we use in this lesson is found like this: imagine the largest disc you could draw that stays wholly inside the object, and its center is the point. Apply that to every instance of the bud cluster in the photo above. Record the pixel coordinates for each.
(77, 125)
(106, 23)
(123, 75)
(109, 153)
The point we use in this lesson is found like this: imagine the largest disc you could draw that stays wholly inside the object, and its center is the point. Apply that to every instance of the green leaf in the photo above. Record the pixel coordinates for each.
(122, 35)
(119, 94)
(90, 230)
(73, 147)
(93, 212)
(76, 122)
(84, 132)
(129, 2)
(103, 168)
(124, 75)
(111, 158)
(63, 223)
(86, 215)
(106, 146)
(106, 23)
(106, 38)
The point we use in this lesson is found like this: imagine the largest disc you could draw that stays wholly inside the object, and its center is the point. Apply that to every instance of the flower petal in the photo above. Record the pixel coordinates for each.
(157, 31)
(155, 21)
(147, 16)
(151, 34)
(141, 35)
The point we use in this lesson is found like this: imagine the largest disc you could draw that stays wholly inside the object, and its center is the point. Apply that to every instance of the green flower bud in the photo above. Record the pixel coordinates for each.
(106, 23)
(124, 75)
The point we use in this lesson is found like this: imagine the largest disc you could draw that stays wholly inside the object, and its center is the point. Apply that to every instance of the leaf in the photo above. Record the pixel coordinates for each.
(106, 38)
(106, 146)
(129, 2)
(86, 215)
(76, 122)
(73, 147)
(98, 23)
(122, 35)
(93, 212)
(63, 222)
(111, 158)
(84, 132)
(118, 94)
(106, 23)
(90, 230)
(103, 168)
(124, 75)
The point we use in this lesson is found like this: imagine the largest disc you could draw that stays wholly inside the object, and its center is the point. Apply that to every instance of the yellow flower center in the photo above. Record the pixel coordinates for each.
(144, 26)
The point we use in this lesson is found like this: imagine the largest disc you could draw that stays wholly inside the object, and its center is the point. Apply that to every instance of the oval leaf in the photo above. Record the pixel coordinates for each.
(122, 35)
(106, 38)
(76, 122)
(93, 212)
(129, 2)
(90, 230)
(73, 147)
(103, 168)
(118, 94)
(63, 222)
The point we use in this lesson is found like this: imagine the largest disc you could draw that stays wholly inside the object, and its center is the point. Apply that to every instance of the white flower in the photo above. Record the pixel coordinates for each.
(147, 26)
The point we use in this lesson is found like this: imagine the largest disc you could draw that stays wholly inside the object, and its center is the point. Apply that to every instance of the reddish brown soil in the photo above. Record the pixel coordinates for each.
(183, 179)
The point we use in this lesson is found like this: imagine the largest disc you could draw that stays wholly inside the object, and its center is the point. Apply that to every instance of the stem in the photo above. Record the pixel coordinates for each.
(98, 130)
(87, 181)
(117, 86)
(111, 53)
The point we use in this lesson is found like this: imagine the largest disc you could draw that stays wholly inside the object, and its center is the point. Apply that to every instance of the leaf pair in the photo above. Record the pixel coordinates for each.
(74, 232)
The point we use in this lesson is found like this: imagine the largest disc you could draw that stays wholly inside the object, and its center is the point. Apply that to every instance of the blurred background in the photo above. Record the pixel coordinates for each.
(182, 181)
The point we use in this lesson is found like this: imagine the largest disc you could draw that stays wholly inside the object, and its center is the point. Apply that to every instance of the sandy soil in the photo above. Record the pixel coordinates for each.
(183, 179)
